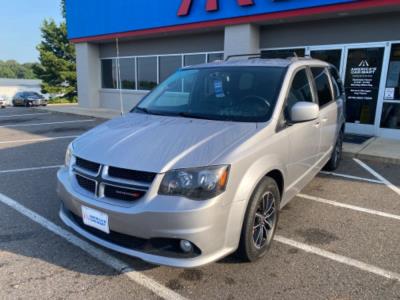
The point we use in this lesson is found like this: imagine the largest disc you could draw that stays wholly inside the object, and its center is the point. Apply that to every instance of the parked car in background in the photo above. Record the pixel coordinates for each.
(204, 163)
(29, 99)
(3, 102)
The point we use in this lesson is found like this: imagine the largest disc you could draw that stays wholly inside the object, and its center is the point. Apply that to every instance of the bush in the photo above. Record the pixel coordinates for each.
(63, 100)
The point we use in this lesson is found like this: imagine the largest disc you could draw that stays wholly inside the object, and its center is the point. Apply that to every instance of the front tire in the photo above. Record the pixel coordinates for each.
(337, 154)
(260, 221)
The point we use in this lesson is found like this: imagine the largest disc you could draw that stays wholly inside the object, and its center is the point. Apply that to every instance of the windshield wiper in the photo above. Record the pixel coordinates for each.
(203, 117)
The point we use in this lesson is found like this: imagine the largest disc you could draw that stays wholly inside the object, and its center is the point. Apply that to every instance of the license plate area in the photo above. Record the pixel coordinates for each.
(96, 219)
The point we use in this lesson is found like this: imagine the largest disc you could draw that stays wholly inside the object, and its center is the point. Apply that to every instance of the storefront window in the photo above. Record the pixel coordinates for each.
(215, 56)
(109, 74)
(128, 78)
(283, 53)
(168, 65)
(147, 73)
(194, 59)
(392, 91)
(333, 57)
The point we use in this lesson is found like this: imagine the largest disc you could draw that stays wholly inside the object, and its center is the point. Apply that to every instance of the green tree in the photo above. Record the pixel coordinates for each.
(57, 68)
(13, 69)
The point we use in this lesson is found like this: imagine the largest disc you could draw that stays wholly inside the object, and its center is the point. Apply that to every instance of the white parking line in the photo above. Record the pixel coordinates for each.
(348, 206)
(29, 169)
(352, 177)
(40, 139)
(377, 175)
(23, 115)
(49, 123)
(95, 252)
(339, 258)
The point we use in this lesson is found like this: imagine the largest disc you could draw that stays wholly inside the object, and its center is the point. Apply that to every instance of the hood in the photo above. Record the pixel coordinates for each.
(158, 143)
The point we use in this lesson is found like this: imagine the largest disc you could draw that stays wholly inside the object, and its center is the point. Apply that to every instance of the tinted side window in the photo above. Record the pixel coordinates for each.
(300, 91)
(323, 86)
(337, 83)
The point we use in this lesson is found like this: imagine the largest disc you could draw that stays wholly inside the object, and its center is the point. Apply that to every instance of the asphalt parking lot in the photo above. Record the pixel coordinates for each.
(340, 239)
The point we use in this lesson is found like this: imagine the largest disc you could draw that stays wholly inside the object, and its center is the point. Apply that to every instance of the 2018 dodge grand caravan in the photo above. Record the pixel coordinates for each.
(203, 164)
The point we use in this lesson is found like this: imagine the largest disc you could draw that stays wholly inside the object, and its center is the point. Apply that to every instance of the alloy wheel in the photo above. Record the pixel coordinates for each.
(264, 220)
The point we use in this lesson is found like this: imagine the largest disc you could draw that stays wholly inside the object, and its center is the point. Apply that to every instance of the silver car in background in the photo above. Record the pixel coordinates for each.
(203, 165)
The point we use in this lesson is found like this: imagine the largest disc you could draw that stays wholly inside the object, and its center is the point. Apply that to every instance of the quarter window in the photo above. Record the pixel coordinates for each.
(323, 86)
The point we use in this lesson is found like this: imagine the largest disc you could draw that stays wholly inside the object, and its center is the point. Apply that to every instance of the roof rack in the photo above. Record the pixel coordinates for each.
(261, 55)
(251, 56)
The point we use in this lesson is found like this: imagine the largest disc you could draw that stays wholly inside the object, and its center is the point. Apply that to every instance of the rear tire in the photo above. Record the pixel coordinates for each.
(337, 153)
(260, 221)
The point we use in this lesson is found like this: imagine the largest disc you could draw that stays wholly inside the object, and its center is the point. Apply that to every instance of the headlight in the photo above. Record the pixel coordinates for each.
(196, 183)
(68, 156)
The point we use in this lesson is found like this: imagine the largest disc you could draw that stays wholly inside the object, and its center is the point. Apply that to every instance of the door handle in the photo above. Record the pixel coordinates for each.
(324, 120)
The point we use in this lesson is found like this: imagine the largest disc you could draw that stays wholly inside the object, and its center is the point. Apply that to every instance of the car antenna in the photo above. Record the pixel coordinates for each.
(119, 82)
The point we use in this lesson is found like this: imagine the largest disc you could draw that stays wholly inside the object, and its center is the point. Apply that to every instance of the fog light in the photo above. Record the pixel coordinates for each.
(186, 246)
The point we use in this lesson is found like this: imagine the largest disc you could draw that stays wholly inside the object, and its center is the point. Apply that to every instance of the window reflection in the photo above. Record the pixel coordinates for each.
(392, 91)
(168, 65)
(128, 78)
(194, 59)
(391, 116)
(147, 73)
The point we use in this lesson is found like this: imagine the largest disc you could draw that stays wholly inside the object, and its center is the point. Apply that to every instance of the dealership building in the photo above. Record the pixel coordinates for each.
(125, 48)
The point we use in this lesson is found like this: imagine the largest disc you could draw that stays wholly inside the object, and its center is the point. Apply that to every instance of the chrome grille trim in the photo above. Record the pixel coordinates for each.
(102, 179)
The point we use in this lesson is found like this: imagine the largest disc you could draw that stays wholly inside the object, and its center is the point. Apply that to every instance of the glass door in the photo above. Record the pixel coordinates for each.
(363, 74)
(390, 115)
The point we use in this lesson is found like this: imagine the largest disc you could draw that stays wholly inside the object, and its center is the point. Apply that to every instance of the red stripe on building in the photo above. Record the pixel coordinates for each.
(212, 5)
(184, 8)
(245, 2)
(362, 4)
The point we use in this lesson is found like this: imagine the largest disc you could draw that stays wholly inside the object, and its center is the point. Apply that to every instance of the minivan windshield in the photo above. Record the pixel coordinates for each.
(242, 94)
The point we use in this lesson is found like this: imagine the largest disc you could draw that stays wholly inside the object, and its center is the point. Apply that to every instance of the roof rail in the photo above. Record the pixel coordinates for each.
(251, 56)
(261, 55)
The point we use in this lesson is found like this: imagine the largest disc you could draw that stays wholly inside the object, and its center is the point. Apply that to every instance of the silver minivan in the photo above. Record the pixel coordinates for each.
(201, 167)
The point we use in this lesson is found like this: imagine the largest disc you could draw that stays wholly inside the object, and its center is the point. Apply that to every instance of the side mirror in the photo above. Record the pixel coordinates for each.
(303, 112)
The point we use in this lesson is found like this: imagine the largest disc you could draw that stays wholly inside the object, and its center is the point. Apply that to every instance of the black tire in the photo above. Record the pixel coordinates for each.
(337, 153)
(251, 248)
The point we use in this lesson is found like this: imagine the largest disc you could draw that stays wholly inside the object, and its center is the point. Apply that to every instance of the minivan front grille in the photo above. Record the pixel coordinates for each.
(87, 184)
(111, 182)
(87, 165)
(140, 176)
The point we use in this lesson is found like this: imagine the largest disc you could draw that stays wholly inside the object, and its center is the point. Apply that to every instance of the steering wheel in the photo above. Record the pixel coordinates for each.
(254, 105)
(259, 98)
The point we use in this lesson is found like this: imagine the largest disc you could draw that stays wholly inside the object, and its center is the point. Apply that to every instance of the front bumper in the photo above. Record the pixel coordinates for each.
(204, 223)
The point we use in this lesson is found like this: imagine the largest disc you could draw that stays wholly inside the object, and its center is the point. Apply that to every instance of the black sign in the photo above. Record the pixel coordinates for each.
(363, 75)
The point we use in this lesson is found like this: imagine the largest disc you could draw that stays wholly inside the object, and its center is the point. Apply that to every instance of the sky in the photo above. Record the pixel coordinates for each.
(20, 22)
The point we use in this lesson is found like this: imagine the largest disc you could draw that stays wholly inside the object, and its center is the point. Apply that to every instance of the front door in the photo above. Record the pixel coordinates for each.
(363, 73)
(304, 138)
